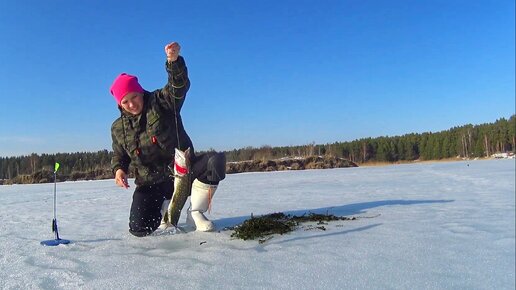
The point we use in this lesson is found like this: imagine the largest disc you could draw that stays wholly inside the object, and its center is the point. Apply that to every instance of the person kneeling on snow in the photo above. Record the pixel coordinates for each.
(146, 135)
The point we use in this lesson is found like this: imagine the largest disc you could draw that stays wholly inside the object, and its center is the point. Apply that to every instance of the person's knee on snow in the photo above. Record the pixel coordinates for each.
(144, 223)
(146, 209)
(143, 228)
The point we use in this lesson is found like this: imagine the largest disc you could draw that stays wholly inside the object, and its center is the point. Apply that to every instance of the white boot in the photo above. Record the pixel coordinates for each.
(164, 209)
(200, 201)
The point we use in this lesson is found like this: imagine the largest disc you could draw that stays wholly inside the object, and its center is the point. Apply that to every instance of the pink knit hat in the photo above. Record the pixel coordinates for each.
(123, 85)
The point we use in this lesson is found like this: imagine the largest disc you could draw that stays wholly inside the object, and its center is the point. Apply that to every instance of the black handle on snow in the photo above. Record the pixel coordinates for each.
(54, 228)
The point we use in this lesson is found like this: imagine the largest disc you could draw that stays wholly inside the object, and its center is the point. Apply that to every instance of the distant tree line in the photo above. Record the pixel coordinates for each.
(40, 168)
(468, 141)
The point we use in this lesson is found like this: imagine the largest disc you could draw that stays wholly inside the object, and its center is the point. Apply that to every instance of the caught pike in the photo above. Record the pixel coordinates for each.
(182, 187)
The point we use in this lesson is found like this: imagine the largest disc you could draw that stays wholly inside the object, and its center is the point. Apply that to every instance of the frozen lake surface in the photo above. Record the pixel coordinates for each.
(440, 226)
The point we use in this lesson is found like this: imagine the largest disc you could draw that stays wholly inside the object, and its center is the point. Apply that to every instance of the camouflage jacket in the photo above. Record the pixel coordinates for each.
(147, 141)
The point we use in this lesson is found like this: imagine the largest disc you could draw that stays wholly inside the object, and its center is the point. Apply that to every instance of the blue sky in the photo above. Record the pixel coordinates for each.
(273, 73)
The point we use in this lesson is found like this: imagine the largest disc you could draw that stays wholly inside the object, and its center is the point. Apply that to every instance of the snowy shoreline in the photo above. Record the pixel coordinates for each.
(372, 164)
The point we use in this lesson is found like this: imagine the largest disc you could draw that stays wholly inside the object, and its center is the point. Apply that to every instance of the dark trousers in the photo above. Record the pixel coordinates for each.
(145, 216)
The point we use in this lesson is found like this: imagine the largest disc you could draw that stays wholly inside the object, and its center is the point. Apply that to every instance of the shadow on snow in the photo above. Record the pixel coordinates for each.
(343, 210)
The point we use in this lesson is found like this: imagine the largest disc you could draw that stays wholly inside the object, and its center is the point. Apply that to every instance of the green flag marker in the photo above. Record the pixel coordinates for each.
(56, 167)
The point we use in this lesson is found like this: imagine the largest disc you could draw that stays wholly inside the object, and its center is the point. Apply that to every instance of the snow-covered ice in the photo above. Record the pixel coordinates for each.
(441, 226)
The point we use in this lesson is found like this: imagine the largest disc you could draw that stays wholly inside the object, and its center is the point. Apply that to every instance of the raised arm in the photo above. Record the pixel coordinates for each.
(178, 83)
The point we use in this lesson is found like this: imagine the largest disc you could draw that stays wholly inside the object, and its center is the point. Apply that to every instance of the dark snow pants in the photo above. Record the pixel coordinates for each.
(145, 216)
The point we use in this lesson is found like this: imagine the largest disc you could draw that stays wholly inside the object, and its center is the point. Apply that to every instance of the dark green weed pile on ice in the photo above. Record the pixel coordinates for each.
(264, 227)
